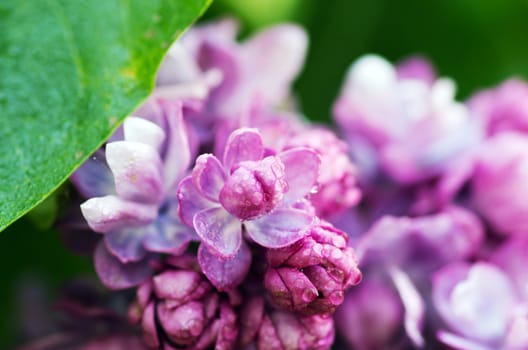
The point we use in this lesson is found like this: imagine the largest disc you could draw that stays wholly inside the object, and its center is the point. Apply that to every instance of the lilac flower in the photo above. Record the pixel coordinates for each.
(312, 275)
(337, 188)
(178, 308)
(504, 108)
(141, 214)
(262, 67)
(485, 305)
(402, 252)
(275, 329)
(249, 193)
(498, 183)
(405, 127)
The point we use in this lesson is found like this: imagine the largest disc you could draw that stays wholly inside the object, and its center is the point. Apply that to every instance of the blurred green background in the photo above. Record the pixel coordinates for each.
(477, 42)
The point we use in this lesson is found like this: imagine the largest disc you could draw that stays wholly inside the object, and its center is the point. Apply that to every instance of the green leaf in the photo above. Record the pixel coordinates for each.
(70, 72)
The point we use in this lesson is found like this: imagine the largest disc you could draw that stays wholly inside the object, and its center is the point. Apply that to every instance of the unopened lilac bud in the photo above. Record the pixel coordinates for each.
(269, 329)
(337, 188)
(254, 188)
(312, 275)
(189, 311)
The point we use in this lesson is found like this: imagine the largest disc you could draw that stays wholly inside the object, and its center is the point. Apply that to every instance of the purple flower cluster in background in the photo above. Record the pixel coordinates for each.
(242, 225)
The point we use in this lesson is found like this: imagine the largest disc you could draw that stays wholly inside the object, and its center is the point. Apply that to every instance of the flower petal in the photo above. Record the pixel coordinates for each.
(190, 201)
(209, 176)
(457, 342)
(219, 231)
(108, 213)
(301, 166)
(225, 274)
(273, 58)
(280, 228)
(127, 244)
(177, 155)
(170, 236)
(137, 171)
(116, 275)
(94, 178)
(140, 130)
(243, 144)
(413, 304)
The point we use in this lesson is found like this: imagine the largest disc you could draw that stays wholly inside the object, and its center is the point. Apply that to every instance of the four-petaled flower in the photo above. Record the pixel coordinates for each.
(251, 192)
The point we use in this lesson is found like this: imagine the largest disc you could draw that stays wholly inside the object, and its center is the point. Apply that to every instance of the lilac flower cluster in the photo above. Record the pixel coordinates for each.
(244, 226)
(214, 199)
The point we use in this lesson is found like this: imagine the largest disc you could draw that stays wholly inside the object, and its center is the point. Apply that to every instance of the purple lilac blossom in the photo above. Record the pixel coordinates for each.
(498, 183)
(485, 304)
(312, 275)
(504, 108)
(140, 215)
(406, 127)
(269, 329)
(249, 193)
(178, 308)
(403, 252)
(263, 66)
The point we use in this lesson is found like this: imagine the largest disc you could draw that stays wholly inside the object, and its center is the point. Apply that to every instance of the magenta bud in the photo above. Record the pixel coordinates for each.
(312, 275)
(267, 328)
(254, 188)
(179, 308)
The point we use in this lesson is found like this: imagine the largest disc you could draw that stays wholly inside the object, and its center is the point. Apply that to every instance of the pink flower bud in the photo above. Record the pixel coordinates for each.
(187, 308)
(274, 329)
(312, 275)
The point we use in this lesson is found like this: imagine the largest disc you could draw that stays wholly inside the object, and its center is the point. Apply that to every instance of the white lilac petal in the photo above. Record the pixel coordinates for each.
(458, 342)
(301, 168)
(177, 157)
(474, 300)
(190, 201)
(413, 304)
(178, 67)
(219, 231)
(137, 170)
(209, 176)
(370, 76)
(243, 144)
(108, 213)
(140, 130)
(126, 244)
(517, 337)
(280, 228)
(512, 258)
(225, 274)
(94, 178)
(116, 275)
